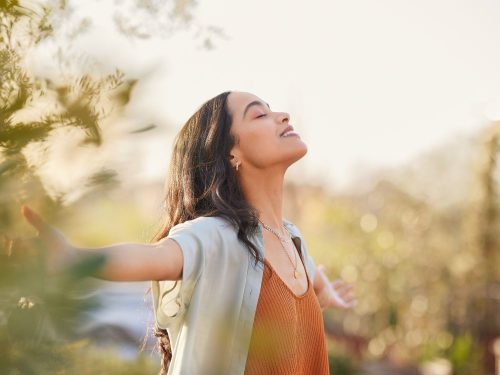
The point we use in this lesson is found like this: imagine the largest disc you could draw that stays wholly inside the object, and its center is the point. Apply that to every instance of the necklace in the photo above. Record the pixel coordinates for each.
(284, 240)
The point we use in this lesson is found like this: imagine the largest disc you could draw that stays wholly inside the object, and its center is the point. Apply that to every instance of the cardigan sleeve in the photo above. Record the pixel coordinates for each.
(171, 298)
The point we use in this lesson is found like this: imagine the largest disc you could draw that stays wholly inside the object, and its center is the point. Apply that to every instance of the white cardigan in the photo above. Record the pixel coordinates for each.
(209, 314)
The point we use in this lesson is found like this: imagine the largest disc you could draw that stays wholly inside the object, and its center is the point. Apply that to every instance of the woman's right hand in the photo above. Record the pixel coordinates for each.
(125, 261)
(60, 253)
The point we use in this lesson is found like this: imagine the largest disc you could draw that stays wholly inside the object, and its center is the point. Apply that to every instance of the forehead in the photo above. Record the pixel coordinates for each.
(237, 101)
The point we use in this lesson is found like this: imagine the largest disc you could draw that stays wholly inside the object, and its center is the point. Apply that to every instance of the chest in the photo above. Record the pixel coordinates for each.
(284, 259)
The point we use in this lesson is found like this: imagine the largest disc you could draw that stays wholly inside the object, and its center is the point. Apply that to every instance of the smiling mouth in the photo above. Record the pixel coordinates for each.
(288, 132)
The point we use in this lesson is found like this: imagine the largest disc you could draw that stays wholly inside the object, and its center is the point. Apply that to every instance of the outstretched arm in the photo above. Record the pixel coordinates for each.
(162, 260)
(332, 294)
(139, 261)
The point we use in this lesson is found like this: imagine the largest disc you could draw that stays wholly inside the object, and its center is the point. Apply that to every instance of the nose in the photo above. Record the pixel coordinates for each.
(283, 117)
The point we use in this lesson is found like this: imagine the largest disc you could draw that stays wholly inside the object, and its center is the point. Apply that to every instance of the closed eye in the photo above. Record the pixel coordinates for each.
(261, 115)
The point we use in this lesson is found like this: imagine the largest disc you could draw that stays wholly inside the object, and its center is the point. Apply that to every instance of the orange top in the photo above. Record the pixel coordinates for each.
(288, 336)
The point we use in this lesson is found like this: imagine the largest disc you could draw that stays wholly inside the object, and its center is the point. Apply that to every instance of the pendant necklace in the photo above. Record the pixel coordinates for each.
(284, 240)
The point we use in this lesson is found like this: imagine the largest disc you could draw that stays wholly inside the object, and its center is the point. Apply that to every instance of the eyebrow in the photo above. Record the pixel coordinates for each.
(251, 104)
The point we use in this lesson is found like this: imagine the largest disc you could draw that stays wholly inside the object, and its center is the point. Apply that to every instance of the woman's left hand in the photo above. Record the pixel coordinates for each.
(336, 293)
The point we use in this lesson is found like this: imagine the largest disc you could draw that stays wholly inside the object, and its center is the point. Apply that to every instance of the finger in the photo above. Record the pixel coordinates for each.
(337, 283)
(350, 299)
(349, 302)
(33, 218)
(343, 288)
(352, 303)
(8, 244)
(346, 293)
(20, 247)
(321, 268)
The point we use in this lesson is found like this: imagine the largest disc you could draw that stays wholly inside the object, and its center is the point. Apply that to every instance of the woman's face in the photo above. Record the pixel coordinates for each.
(258, 132)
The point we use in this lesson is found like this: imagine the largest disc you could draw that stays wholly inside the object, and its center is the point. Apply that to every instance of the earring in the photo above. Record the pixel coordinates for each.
(237, 166)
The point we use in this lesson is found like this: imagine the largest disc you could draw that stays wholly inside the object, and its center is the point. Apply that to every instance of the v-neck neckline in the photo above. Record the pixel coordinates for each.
(296, 296)
(298, 245)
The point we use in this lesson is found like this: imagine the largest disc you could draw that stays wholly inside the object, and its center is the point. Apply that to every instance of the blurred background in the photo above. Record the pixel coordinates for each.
(398, 102)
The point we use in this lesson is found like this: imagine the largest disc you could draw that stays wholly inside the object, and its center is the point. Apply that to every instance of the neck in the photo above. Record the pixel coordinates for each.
(263, 190)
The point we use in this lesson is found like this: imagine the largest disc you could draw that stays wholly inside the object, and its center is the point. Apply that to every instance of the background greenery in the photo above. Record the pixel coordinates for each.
(426, 274)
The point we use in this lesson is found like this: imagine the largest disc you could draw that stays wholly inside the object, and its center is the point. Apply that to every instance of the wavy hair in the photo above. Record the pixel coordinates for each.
(202, 182)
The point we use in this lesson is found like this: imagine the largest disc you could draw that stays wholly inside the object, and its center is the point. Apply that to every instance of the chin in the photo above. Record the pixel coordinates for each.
(299, 153)
(303, 150)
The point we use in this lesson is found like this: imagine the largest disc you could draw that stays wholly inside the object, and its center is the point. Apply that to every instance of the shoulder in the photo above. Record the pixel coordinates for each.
(294, 230)
(204, 226)
(214, 222)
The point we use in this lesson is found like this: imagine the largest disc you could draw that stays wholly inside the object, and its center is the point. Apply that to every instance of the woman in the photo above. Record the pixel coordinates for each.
(234, 288)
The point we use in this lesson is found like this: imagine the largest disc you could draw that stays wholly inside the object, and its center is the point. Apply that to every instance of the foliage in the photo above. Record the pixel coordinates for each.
(465, 355)
(86, 359)
(31, 109)
(40, 312)
(423, 275)
(342, 364)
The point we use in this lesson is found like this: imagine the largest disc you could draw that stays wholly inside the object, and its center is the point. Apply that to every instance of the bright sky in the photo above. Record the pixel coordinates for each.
(366, 83)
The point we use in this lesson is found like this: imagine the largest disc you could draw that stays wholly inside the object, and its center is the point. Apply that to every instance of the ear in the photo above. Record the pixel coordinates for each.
(233, 160)
(235, 155)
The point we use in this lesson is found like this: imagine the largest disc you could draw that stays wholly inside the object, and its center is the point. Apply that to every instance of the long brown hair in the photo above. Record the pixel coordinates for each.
(202, 182)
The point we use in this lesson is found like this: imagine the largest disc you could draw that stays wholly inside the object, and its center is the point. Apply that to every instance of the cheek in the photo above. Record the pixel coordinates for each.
(260, 147)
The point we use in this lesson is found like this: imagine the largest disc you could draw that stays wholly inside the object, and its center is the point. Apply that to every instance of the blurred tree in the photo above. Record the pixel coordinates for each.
(39, 312)
(80, 103)
(411, 263)
(483, 308)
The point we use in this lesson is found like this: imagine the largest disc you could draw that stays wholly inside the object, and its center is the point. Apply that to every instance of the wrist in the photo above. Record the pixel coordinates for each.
(324, 296)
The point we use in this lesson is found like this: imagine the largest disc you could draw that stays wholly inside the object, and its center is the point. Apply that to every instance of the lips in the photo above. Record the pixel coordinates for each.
(288, 128)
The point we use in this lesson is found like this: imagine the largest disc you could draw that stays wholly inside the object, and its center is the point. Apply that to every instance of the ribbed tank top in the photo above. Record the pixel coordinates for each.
(288, 336)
